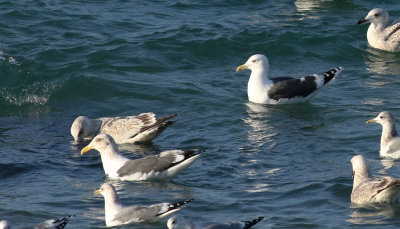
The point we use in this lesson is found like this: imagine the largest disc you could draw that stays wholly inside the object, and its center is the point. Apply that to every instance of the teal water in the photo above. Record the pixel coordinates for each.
(289, 163)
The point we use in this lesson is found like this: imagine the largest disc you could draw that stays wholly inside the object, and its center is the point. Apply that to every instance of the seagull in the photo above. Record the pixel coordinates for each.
(117, 214)
(261, 89)
(48, 224)
(371, 190)
(179, 222)
(163, 166)
(390, 141)
(380, 34)
(125, 129)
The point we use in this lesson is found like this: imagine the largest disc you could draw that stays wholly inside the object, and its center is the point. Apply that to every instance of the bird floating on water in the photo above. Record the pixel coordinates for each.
(117, 214)
(48, 224)
(381, 34)
(390, 141)
(125, 129)
(163, 166)
(179, 222)
(371, 190)
(264, 90)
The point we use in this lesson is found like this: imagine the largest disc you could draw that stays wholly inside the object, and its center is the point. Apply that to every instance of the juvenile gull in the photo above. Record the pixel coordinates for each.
(262, 89)
(371, 190)
(125, 129)
(380, 34)
(116, 213)
(179, 222)
(390, 141)
(163, 166)
(48, 224)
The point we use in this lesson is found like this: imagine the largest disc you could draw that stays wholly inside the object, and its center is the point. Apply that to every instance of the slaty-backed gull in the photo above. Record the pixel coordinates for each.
(261, 89)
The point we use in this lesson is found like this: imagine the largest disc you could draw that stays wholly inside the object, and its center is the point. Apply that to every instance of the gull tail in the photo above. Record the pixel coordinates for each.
(174, 207)
(331, 74)
(249, 224)
(61, 223)
(148, 133)
(55, 224)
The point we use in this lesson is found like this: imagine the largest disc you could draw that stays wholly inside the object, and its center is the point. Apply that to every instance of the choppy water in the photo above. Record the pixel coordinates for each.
(289, 163)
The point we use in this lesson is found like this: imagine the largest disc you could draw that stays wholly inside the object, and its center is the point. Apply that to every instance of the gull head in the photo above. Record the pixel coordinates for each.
(384, 118)
(107, 191)
(80, 128)
(100, 143)
(360, 169)
(377, 17)
(255, 62)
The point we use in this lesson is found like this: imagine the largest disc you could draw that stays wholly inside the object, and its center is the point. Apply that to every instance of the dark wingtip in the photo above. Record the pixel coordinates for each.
(193, 152)
(176, 205)
(253, 222)
(361, 21)
(63, 222)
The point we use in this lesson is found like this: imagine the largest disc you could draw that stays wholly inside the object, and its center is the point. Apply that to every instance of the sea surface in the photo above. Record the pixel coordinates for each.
(288, 163)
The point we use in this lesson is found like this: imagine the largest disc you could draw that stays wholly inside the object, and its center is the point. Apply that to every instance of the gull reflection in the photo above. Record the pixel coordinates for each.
(381, 62)
(261, 131)
(374, 214)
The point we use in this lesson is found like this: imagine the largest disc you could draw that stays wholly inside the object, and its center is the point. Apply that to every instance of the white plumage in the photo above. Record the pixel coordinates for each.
(164, 166)
(264, 90)
(381, 34)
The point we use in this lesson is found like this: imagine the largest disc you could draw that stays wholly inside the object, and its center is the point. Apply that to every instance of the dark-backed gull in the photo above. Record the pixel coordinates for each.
(262, 89)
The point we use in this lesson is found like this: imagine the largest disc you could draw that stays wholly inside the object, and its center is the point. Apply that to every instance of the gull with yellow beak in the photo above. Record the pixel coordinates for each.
(117, 214)
(371, 190)
(163, 166)
(264, 90)
(390, 141)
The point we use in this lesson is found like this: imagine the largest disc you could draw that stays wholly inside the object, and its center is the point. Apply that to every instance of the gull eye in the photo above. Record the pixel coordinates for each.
(376, 15)
(255, 61)
(381, 117)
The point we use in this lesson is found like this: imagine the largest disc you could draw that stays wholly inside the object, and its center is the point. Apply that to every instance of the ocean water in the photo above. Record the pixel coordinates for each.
(289, 163)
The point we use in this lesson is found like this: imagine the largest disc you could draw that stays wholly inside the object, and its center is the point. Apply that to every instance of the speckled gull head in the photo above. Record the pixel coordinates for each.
(384, 118)
(377, 16)
(257, 62)
(81, 128)
(360, 169)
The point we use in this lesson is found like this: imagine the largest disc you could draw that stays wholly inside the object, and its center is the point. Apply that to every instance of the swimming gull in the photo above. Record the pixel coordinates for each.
(125, 129)
(262, 89)
(116, 213)
(48, 224)
(370, 190)
(380, 34)
(179, 222)
(163, 166)
(390, 141)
